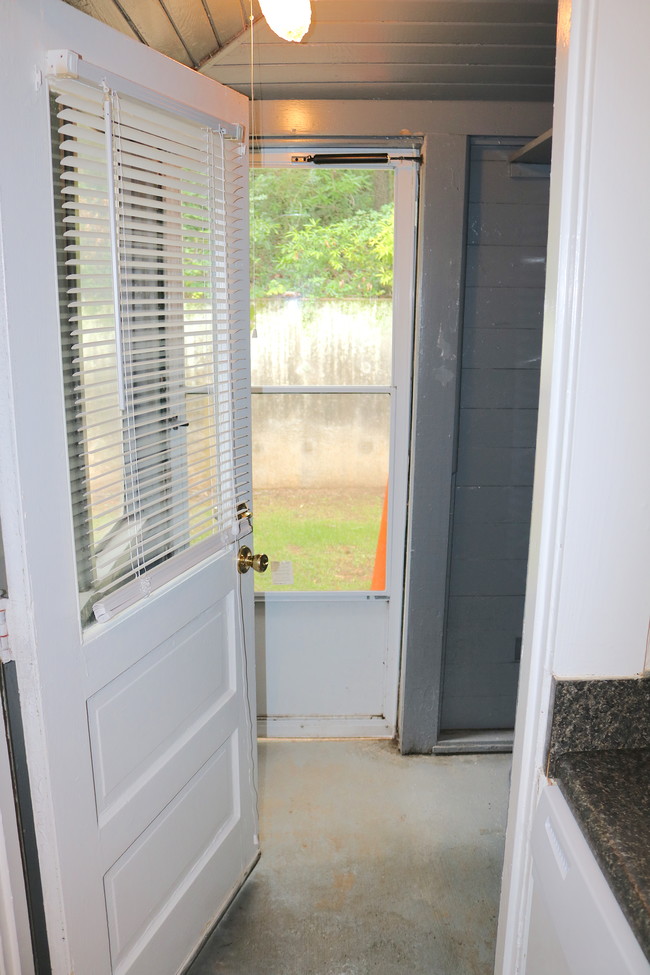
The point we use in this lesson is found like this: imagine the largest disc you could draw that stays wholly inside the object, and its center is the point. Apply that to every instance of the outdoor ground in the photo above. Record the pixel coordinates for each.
(329, 535)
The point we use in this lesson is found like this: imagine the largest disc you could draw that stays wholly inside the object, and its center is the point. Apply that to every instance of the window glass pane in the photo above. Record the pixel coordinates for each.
(322, 342)
(320, 465)
(322, 276)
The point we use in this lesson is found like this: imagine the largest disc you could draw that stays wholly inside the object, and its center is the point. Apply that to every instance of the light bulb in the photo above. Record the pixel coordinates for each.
(290, 19)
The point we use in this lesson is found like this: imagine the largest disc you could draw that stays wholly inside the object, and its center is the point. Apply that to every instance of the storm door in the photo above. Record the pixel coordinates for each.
(333, 243)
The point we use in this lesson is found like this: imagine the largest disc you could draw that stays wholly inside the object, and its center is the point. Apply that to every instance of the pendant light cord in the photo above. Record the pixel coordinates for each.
(253, 138)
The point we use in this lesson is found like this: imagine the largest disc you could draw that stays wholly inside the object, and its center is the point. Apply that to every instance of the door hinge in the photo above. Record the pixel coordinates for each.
(6, 653)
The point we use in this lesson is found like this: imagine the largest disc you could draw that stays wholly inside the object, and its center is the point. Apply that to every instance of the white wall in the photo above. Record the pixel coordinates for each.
(604, 595)
(589, 581)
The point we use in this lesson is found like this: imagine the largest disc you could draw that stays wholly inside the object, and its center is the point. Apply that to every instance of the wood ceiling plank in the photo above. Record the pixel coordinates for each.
(537, 40)
(408, 92)
(427, 33)
(398, 54)
(107, 12)
(412, 74)
(155, 27)
(432, 11)
(193, 24)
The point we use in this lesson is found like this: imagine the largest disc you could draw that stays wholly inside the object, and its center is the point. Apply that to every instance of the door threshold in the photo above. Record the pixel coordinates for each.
(473, 742)
(325, 727)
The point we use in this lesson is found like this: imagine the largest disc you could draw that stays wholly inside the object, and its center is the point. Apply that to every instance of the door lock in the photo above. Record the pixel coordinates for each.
(246, 560)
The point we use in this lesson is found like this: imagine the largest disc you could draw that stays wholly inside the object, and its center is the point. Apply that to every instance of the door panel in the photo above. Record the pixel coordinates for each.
(130, 733)
(146, 742)
(138, 730)
(154, 880)
(345, 681)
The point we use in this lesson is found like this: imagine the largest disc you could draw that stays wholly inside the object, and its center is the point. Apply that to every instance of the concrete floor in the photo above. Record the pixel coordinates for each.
(372, 864)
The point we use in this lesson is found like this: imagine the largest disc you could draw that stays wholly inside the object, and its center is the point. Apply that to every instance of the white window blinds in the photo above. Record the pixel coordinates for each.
(151, 210)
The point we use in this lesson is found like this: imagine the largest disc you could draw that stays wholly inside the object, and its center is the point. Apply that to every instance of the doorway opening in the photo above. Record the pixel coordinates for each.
(333, 258)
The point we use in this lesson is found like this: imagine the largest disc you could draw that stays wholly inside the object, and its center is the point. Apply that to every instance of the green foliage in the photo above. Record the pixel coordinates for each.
(322, 233)
(329, 536)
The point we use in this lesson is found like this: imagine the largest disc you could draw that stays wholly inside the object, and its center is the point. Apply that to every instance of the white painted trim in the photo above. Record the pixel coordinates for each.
(404, 268)
(567, 219)
(76, 67)
(20, 621)
(327, 727)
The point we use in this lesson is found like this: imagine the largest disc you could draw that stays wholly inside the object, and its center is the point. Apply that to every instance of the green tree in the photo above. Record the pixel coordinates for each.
(320, 233)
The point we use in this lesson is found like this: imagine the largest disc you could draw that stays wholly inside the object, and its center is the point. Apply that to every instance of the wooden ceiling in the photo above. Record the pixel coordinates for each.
(500, 50)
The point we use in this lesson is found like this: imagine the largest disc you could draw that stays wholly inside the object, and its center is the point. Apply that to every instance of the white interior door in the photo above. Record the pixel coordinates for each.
(128, 616)
(333, 285)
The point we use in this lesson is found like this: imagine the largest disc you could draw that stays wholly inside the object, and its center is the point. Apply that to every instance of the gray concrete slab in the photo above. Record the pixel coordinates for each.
(373, 863)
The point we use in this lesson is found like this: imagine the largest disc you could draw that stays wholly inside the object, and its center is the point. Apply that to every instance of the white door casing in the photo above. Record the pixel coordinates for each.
(138, 739)
(586, 611)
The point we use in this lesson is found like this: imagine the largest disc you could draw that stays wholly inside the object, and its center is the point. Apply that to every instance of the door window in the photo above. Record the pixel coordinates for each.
(153, 392)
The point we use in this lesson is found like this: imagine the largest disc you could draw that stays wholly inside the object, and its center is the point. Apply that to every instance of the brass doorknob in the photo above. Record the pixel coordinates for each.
(246, 560)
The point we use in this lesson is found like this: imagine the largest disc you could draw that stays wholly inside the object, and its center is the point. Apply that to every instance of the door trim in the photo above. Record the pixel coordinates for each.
(438, 333)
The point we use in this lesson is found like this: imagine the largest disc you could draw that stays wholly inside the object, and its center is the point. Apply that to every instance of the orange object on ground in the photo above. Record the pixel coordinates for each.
(379, 571)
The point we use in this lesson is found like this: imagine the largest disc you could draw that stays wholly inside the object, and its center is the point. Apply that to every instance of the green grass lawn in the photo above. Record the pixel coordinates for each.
(329, 536)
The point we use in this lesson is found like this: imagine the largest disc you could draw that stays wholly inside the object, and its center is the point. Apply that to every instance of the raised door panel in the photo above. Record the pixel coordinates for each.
(161, 879)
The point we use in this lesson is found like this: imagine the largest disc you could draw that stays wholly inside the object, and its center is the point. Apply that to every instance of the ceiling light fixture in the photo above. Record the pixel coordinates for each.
(290, 19)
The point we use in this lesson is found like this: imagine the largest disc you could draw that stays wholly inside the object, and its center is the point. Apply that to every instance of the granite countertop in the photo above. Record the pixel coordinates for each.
(608, 791)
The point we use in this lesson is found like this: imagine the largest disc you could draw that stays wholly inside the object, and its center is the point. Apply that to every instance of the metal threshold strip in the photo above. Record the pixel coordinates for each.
(473, 742)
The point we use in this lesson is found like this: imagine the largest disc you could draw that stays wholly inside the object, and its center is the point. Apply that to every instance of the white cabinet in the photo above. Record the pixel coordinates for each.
(576, 925)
